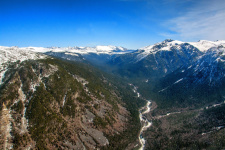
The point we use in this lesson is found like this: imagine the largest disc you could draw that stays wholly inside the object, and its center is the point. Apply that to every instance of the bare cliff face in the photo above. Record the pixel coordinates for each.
(48, 104)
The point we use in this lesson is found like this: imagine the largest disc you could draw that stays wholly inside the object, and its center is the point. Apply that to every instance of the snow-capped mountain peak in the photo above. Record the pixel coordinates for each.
(204, 45)
(166, 45)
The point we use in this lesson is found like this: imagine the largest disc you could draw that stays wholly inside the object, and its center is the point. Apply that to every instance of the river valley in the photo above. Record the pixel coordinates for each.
(145, 123)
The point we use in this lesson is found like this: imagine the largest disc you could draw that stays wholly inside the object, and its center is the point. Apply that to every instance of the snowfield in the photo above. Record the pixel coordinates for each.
(82, 50)
(202, 45)
(13, 54)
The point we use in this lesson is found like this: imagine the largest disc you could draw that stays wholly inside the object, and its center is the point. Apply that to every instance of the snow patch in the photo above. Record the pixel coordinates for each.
(72, 54)
(164, 89)
(2, 74)
(64, 99)
(178, 81)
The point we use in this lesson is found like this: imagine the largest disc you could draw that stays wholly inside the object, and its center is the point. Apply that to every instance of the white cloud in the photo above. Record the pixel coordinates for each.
(205, 21)
(168, 35)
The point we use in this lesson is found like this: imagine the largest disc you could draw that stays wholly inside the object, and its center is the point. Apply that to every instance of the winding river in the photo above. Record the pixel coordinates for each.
(144, 121)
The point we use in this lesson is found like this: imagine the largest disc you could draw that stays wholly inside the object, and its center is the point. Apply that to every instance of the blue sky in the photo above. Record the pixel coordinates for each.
(128, 23)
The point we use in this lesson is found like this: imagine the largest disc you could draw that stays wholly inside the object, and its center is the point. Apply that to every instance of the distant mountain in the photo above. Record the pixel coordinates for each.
(96, 55)
(81, 50)
(162, 58)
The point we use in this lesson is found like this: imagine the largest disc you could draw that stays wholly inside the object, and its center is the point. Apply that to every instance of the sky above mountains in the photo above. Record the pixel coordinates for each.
(128, 23)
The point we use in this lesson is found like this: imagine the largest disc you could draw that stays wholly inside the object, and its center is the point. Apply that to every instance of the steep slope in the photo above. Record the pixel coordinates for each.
(50, 104)
(160, 59)
(155, 61)
(190, 106)
(200, 83)
(150, 64)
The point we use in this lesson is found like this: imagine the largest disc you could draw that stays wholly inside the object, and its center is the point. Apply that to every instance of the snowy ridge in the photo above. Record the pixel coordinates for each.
(208, 66)
(82, 50)
(202, 45)
(13, 54)
(164, 46)
(153, 49)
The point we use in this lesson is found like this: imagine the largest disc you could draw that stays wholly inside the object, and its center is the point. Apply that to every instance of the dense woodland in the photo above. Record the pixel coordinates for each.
(48, 121)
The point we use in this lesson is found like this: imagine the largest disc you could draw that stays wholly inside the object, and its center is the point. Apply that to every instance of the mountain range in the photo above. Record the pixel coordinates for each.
(81, 98)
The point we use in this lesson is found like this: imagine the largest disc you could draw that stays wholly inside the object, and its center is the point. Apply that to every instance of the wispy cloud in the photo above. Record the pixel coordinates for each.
(168, 35)
(176, 1)
(205, 21)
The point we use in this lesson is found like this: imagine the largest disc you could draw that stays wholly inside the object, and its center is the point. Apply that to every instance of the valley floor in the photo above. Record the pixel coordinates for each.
(193, 129)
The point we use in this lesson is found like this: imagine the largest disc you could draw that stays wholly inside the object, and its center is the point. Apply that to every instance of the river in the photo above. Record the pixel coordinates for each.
(144, 121)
